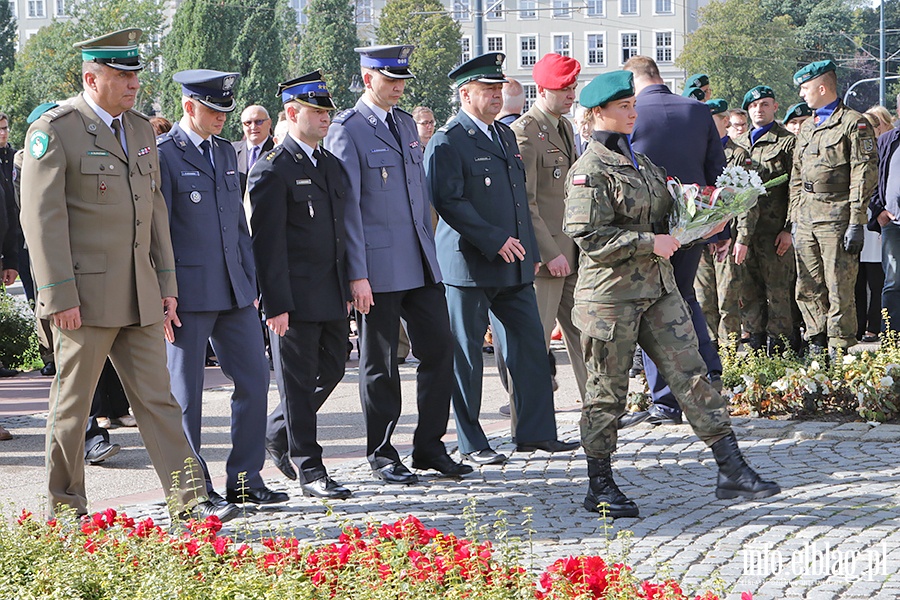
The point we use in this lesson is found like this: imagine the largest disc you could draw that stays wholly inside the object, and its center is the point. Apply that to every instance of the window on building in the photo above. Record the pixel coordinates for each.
(629, 44)
(299, 7)
(60, 8)
(664, 7)
(562, 44)
(496, 10)
(596, 49)
(363, 11)
(530, 95)
(495, 43)
(595, 8)
(562, 9)
(527, 51)
(36, 9)
(628, 7)
(663, 46)
(462, 10)
(465, 46)
(527, 9)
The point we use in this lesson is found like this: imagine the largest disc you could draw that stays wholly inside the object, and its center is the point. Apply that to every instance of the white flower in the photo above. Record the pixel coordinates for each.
(781, 385)
(748, 379)
(814, 366)
(887, 381)
(890, 367)
(811, 386)
(849, 359)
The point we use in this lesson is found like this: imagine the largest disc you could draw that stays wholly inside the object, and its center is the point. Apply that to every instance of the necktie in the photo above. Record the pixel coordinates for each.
(564, 131)
(207, 152)
(316, 156)
(393, 127)
(254, 155)
(496, 138)
(117, 131)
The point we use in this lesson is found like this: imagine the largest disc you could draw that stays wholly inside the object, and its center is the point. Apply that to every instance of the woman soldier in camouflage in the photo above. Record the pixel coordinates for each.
(617, 209)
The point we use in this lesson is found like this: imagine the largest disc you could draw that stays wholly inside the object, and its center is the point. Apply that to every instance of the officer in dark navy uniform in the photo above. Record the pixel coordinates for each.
(489, 256)
(393, 269)
(216, 281)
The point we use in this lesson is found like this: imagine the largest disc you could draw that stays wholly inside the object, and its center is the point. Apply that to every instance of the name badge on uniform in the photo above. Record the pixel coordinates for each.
(190, 173)
(97, 153)
(304, 182)
(378, 150)
(196, 197)
(481, 158)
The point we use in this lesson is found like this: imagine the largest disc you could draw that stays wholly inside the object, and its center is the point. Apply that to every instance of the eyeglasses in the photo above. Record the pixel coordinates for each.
(256, 122)
(425, 123)
(5, 128)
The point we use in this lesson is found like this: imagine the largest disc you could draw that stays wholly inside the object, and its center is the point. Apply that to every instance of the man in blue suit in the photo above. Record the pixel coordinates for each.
(217, 282)
(679, 135)
(489, 255)
(393, 269)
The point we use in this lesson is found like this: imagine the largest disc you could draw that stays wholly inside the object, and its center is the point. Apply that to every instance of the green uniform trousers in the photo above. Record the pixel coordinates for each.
(769, 283)
(718, 289)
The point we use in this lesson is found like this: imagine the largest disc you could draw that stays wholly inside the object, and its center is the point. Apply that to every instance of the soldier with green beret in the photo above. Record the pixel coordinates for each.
(795, 116)
(763, 240)
(695, 93)
(699, 80)
(834, 173)
(617, 205)
(718, 280)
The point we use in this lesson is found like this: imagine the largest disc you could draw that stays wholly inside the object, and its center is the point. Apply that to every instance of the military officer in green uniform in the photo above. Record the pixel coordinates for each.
(616, 209)
(763, 241)
(834, 174)
(795, 116)
(718, 280)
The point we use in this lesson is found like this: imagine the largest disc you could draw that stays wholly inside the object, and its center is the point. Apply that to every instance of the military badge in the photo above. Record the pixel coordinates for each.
(373, 120)
(228, 83)
(102, 187)
(384, 173)
(38, 144)
(542, 136)
(196, 197)
(414, 144)
(557, 173)
(144, 151)
(487, 181)
(868, 145)
(579, 180)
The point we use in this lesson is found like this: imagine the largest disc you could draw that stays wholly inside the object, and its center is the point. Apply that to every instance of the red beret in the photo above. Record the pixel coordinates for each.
(554, 71)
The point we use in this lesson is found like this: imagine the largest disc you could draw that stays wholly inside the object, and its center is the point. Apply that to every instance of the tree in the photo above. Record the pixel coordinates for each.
(7, 38)
(244, 36)
(49, 68)
(739, 48)
(327, 44)
(426, 25)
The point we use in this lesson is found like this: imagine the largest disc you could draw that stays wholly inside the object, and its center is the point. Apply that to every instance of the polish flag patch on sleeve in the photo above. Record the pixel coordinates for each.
(579, 179)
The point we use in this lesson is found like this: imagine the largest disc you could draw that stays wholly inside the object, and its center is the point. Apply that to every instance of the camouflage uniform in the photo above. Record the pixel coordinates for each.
(627, 295)
(718, 284)
(769, 279)
(834, 173)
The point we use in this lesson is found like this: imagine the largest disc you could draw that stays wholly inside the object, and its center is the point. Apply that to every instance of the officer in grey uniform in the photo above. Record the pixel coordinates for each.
(217, 281)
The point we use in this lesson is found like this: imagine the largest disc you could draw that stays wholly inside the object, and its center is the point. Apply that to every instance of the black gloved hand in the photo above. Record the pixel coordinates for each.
(854, 238)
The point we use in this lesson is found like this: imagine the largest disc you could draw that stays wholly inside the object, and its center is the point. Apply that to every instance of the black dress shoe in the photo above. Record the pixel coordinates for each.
(660, 416)
(49, 370)
(505, 410)
(446, 465)
(215, 506)
(396, 473)
(485, 457)
(325, 487)
(282, 460)
(548, 446)
(4, 372)
(633, 418)
(100, 452)
(258, 495)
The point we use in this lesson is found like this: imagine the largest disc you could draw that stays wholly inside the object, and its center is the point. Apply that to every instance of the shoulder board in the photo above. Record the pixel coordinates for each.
(273, 153)
(501, 125)
(138, 113)
(57, 112)
(343, 115)
(162, 138)
(400, 110)
(523, 122)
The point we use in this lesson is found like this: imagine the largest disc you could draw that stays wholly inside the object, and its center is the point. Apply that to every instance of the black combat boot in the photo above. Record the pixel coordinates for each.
(637, 363)
(818, 344)
(774, 346)
(756, 340)
(603, 490)
(736, 477)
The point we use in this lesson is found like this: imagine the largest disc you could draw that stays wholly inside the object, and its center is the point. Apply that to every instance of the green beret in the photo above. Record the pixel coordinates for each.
(813, 70)
(717, 106)
(606, 87)
(698, 81)
(798, 110)
(695, 93)
(757, 93)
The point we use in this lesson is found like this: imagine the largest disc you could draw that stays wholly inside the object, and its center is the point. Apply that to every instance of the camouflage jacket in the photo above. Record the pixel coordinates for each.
(835, 170)
(771, 156)
(736, 155)
(612, 211)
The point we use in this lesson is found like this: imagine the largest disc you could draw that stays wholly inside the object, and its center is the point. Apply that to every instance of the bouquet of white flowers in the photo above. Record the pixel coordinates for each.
(698, 211)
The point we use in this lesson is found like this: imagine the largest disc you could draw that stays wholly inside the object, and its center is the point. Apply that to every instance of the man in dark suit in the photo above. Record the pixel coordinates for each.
(679, 135)
(217, 283)
(297, 193)
(257, 140)
(488, 252)
(392, 267)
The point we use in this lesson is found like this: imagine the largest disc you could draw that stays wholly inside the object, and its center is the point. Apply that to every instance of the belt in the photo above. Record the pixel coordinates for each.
(824, 188)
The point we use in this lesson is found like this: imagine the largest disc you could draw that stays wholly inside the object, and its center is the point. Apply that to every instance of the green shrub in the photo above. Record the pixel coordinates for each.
(18, 333)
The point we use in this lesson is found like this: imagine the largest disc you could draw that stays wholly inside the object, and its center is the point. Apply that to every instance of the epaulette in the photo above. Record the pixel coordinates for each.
(343, 115)
(139, 114)
(524, 122)
(273, 153)
(57, 112)
(398, 109)
(501, 125)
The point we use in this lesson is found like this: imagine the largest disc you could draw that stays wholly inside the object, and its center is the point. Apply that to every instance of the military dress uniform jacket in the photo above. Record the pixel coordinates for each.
(213, 258)
(479, 192)
(298, 233)
(102, 225)
(547, 157)
(771, 156)
(612, 212)
(388, 214)
(835, 170)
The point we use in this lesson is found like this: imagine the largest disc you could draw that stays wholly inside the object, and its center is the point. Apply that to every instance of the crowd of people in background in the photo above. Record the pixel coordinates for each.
(502, 220)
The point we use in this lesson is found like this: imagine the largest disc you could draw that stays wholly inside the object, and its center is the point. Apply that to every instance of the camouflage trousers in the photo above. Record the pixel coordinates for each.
(826, 279)
(768, 287)
(664, 329)
(718, 289)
